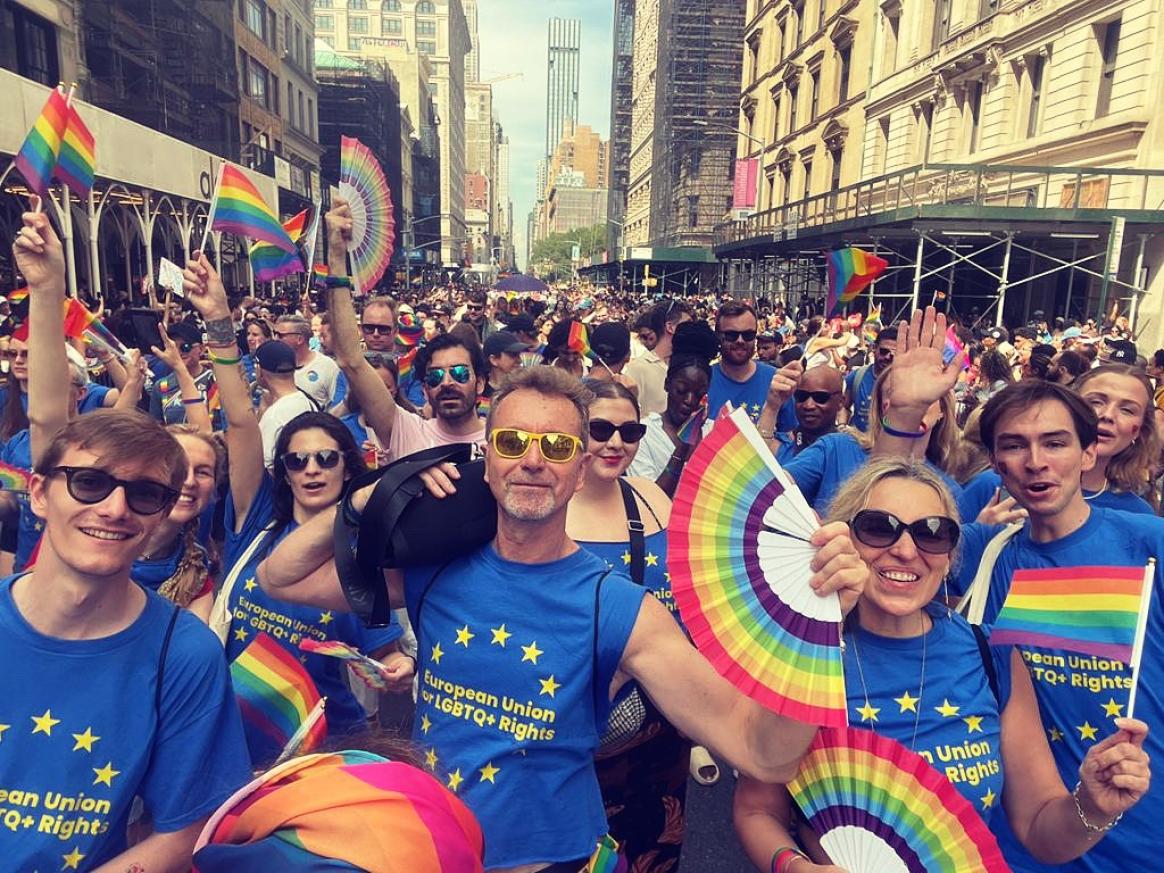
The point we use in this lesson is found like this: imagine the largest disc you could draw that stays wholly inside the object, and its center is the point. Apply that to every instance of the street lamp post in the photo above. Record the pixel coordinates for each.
(410, 246)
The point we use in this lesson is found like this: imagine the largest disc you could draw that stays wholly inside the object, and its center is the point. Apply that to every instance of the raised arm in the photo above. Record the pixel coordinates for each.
(244, 443)
(192, 399)
(41, 261)
(378, 403)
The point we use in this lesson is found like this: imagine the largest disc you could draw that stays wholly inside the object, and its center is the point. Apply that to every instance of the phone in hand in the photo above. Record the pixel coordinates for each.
(146, 332)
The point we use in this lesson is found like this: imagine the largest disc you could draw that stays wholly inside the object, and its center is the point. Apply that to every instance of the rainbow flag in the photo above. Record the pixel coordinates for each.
(270, 262)
(872, 326)
(405, 361)
(1092, 610)
(692, 429)
(409, 330)
(275, 694)
(850, 272)
(77, 164)
(954, 348)
(319, 274)
(18, 296)
(37, 158)
(13, 478)
(239, 208)
(368, 670)
(82, 324)
(579, 339)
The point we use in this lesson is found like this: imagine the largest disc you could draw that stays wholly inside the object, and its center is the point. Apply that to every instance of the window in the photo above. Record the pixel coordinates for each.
(814, 105)
(36, 47)
(776, 116)
(426, 48)
(925, 131)
(753, 48)
(426, 28)
(844, 59)
(298, 43)
(793, 92)
(426, 7)
(974, 110)
(1036, 67)
(693, 210)
(254, 16)
(881, 159)
(357, 4)
(257, 81)
(390, 6)
(807, 180)
(771, 192)
(779, 38)
(835, 180)
(392, 25)
(941, 22)
(889, 51)
(1109, 43)
(302, 118)
(822, 14)
(354, 43)
(987, 8)
(291, 103)
(357, 24)
(798, 11)
(786, 183)
(287, 33)
(323, 4)
(310, 124)
(273, 90)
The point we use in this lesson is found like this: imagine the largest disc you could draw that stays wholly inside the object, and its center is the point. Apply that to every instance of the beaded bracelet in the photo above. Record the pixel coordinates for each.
(903, 434)
(338, 282)
(784, 857)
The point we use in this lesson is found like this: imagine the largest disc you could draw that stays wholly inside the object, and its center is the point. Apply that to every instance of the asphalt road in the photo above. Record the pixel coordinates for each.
(710, 845)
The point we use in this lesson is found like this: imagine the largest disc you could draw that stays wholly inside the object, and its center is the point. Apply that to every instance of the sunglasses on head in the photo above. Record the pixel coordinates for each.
(459, 372)
(90, 485)
(557, 448)
(325, 458)
(630, 431)
(818, 397)
(934, 534)
(378, 329)
(283, 334)
(734, 336)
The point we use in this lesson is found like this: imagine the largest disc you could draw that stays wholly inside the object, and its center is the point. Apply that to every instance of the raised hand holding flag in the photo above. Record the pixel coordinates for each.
(37, 158)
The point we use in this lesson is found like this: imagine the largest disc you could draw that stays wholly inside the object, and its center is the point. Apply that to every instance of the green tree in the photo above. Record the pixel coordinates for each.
(553, 255)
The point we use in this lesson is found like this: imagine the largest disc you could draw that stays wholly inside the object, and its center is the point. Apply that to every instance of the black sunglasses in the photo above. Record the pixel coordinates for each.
(474, 307)
(630, 431)
(459, 372)
(90, 485)
(818, 397)
(296, 461)
(378, 329)
(734, 336)
(935, 534)
(185, 347)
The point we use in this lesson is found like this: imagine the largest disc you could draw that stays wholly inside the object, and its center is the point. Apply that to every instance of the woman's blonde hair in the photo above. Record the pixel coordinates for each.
(854, 494)
(944, 435)
(1128, 470)
(969, 457)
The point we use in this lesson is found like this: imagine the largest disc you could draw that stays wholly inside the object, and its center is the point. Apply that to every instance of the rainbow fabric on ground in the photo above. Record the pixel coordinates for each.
(850, 271)
(271, 262)
(37, 158)
(274, 692)
(239, 208)
(880, 808)
(1092, 610)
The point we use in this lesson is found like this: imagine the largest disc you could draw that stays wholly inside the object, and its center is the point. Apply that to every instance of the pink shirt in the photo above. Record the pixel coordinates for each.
(412, 433)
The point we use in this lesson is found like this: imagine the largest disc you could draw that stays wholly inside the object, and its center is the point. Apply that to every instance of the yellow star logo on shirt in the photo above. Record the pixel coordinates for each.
(531, 652)
(425, 723)
(1112, 708)
(488, 772)
(652, 560)
(1056, 735)
(240, 634)
(549, 686)
(868, 712)
(105, 774)
(947, 709)
(85, 741)
(45, 723)
(988, 798)
(907, 703)
(430, 759)
(73, 859)
(3, 727)
(437, 653)
(463, 636)
(667, 576)
(326, 617)
(626, 558)
(500, 635)
(1086, 731)
(973, 723)
(455, 779)
(251, 584)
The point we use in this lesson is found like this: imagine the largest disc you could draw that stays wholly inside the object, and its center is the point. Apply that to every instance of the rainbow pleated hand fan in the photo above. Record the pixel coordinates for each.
(369, 671)
(880, 808)
(364, 186)
(739, 559)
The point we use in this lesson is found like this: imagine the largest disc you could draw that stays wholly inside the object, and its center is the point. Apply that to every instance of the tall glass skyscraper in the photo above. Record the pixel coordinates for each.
(565, 45)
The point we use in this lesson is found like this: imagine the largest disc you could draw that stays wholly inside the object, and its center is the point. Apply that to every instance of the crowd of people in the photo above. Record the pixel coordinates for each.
(181, 511)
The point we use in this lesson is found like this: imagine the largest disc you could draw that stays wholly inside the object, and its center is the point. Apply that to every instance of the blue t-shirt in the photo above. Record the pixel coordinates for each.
(786, 418)
(342, 387)
(356, 428)
(253, 611)
(1079, 695)
(18, 452)
(752, 394)
(861, 396)
(512, 693)
(821, 468)
(167, 406)
(656, 579)
(979, 491)
(82, 737)
(956, 716)
(93, 398)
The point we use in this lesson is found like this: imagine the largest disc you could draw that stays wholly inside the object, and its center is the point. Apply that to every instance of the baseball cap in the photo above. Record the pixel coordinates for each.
(503, 341)
(184, 332)
(611, 341)
(1072, 333)
(995, 334)
(275, 357)
(1122, 351)
(521, 324)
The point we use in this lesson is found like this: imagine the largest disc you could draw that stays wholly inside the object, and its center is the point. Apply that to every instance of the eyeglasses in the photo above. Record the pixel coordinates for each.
(281, 334)
(459, 372)
(512, 443)
(734, 336)
(818, 397)
(90, 485)
(378, 329)
(475, 307)
(296, 461)
(935, 534)
(185, 347)
(630, 431)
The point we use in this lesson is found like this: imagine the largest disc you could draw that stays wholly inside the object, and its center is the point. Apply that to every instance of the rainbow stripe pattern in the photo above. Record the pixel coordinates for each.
(275, 694)
(271, 262)
(239, 208)
(739, 559)
(578, 340)
(319, 274)
(879, 807)
(364, 186)
(409, 330)
(692, 429)
(77, 164)
(954, 348)
(367, 670)
(352, 808)
(13, 478)
(38, 155)
(872, 327)
(850, 271)
(405, 362)
(82, 324)
(1081, 609)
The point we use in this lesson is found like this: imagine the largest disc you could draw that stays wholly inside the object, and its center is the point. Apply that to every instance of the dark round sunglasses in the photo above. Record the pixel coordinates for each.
(630, 431)
(296, 461)
(90, 485)
(820, 398)
(734, 336)
(935, 534)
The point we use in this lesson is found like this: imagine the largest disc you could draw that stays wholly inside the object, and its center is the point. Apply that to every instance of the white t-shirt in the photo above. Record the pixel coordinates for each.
(655, 449)
(276, 417)
(318, 378)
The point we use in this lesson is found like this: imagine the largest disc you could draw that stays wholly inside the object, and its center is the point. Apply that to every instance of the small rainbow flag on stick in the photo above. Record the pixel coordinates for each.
(270, 262)
(692, 429)
(238, 207)
(368, 670)
(851, 270)
(37, 158)
(872, 328)
(275, 694)
(77, 164)
(319, 274)
(579, 339)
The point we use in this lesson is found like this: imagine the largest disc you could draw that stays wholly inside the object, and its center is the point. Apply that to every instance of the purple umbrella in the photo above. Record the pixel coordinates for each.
(521, 283)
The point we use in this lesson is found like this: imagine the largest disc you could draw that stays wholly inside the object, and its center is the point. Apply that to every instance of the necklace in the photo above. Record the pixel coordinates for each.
(920, 688)
(1097, 493)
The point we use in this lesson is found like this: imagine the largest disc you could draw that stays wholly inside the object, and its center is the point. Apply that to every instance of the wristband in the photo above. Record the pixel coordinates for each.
(903, 434)
(221, 331)
(226, 362)
(784, 857)
(338, 282)
(193, 401)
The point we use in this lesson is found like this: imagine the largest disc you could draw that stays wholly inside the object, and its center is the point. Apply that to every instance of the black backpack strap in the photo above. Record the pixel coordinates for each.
(162, 662)
(315, 404)
(594, 687)
(644, 501)
(634, 524)
(987, 663)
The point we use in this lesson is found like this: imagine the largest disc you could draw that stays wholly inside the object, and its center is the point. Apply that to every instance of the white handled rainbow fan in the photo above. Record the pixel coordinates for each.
(363, 184)
(739, 556)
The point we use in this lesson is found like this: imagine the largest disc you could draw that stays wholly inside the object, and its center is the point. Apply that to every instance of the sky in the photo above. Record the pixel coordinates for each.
(513, 39)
